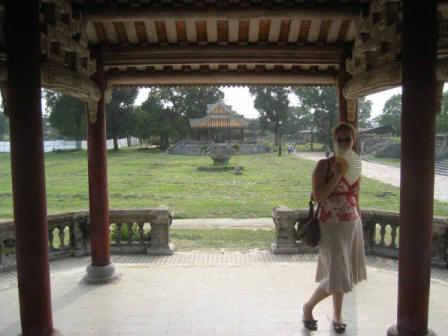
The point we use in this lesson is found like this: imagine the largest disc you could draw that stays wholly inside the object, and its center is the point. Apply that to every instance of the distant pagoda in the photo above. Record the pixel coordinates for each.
(220, 118)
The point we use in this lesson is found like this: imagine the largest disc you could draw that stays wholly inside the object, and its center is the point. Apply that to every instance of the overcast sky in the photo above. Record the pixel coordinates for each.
(243, 103)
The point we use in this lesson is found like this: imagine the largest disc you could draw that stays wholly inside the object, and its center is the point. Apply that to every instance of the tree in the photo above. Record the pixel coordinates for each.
(167, 111)
(391, 114)
(272, 103)
(364, 113)
(120, 117)
(298, 119)
(442, 117)
(4, 124)
(67, 114)
(322, 103)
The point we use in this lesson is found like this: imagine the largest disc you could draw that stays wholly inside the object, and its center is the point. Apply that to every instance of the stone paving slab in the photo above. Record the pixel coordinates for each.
(388, 174)
(215, 293)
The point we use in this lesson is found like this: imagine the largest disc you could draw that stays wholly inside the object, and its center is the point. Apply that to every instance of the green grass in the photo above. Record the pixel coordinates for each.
(145, 179)
(221, 238)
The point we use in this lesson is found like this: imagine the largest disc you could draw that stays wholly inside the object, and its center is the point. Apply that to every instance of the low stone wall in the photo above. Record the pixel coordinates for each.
(380, 234)
(69, 234)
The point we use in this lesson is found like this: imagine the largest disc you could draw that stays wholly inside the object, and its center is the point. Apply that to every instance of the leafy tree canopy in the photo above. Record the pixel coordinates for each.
(4, 124)
(391, 114)
(322, 103)
(272, 104)
(167, 111)
(120, 116)
(364, 113)
(67, 114)
(442, 117)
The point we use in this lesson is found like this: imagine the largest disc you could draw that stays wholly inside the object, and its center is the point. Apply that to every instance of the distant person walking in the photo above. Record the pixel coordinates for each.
(294, 149)
(341, 261)
(289, 148)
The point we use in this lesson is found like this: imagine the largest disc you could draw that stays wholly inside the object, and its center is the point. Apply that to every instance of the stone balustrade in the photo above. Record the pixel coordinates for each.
(69, 234)
(381, 232)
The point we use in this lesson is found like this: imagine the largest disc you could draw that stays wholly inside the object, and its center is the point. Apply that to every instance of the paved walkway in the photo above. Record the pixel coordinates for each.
(215, 293)
(388, 174)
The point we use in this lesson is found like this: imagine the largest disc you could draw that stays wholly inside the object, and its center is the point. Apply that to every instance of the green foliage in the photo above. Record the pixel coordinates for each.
(125, 233)
(4, 124)
(322, 103)
(120, 116)
(67, 114)
(167, 111)
(272, 103)
(442, 118)
(391, 114)
(364, 113)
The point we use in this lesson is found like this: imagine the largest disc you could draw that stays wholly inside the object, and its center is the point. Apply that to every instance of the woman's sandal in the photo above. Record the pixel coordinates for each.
(310, 324)
(339, 327)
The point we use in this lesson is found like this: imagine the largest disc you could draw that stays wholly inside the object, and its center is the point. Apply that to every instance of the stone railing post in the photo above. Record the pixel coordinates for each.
(80, 234)
(285, 240)
(160, 220)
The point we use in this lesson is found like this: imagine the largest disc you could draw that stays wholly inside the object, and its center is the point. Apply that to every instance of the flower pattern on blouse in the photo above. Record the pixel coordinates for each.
(340, 206)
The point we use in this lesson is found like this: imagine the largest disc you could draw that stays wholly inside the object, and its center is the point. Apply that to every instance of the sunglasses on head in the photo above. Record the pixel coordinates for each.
(343, 139)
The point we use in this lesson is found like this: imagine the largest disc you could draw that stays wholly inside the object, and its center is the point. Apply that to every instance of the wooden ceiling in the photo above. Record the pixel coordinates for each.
(213, 42)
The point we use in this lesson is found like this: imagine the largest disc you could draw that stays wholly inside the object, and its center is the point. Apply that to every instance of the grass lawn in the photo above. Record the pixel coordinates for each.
(145, 179)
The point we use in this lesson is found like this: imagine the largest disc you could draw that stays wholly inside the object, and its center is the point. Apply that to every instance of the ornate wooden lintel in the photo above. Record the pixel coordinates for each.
(60, 78)
(372, 81)
(383, 78)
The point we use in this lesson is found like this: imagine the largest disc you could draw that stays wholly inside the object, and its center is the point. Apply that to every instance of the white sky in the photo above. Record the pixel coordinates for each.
(243, 103)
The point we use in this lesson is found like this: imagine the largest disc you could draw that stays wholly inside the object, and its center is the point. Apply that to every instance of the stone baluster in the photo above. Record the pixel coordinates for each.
(393, 234)
(160, 220)
(118, 237)
(382, 234)
(80, 234)
(141, 232)
(61, 236)
(51, 238)
(285, 220)
(130, 226)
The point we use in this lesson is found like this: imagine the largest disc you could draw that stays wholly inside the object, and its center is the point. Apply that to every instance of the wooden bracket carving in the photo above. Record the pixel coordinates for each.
(92, 107)
(385, 77)
(60, 78)
(352, 107)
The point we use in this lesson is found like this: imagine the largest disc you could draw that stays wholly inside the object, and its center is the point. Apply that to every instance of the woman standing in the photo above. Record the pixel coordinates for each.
(341, 249)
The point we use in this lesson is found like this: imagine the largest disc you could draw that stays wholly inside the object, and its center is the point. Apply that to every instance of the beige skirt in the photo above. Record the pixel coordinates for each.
(341, 262)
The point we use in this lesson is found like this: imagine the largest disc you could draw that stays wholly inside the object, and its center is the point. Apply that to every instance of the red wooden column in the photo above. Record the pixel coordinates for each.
(101, 270)
(417, 167)
(27, 167)
(241, 133)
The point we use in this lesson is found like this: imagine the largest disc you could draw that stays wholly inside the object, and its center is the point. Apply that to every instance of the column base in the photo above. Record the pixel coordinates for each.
(392, 331)
(100, 274)
(55, 332)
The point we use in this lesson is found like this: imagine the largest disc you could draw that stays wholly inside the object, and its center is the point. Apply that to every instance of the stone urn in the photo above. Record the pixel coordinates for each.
(220, 153)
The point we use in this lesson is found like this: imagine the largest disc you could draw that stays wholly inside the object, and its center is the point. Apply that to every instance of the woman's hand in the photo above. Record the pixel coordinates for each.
(337, 170)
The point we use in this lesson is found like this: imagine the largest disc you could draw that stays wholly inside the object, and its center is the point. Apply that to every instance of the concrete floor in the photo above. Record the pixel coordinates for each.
(215, 293)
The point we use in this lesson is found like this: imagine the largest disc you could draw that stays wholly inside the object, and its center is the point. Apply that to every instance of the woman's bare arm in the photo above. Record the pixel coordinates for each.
(321, 188)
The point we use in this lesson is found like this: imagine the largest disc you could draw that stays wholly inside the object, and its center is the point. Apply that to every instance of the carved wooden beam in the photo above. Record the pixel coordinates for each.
(60, 78)
(138, 56)
(383, 78)
(335, 12)
(217, 78)
(372, 81)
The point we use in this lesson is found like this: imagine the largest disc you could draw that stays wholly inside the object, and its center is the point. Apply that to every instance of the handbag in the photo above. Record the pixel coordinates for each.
(308, 231)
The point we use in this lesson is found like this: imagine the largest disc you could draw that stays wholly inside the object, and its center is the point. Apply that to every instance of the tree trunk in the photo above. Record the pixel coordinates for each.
(116, 148)
(164, 142)
(276, 134)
